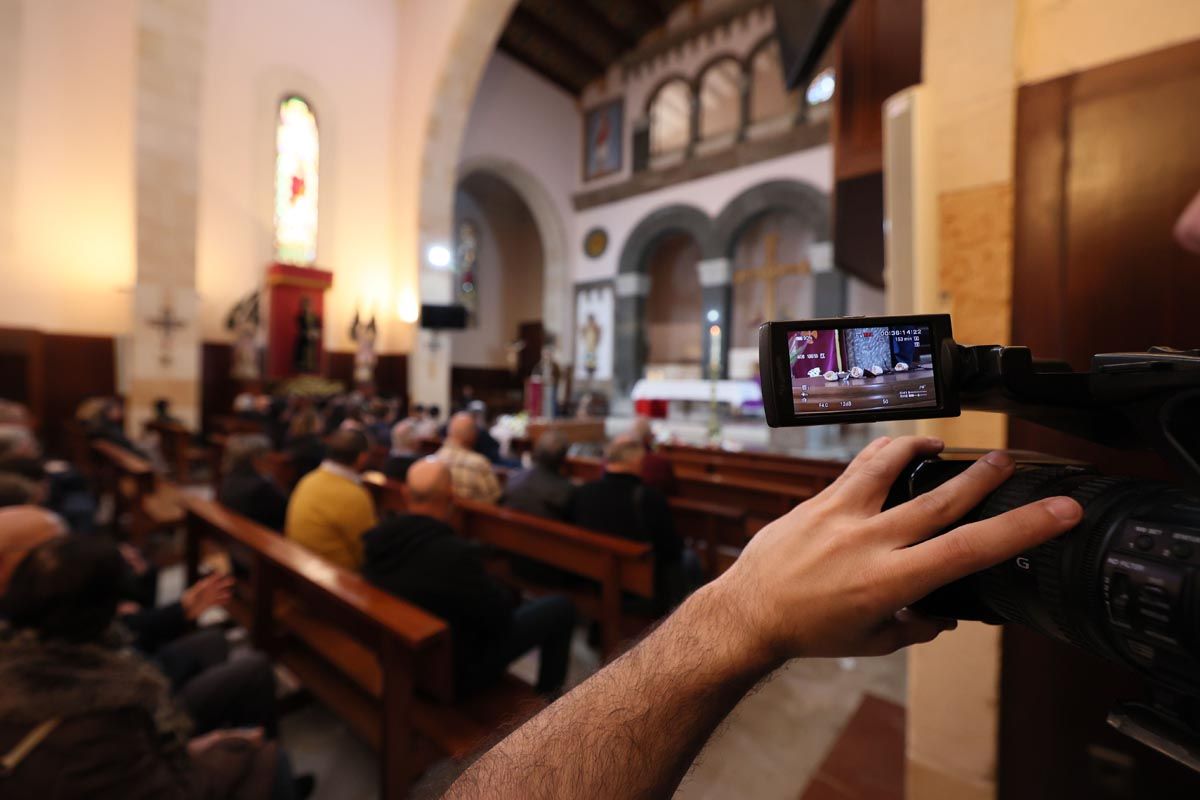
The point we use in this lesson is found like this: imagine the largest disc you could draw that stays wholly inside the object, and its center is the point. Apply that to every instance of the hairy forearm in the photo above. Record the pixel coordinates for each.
(634, 728)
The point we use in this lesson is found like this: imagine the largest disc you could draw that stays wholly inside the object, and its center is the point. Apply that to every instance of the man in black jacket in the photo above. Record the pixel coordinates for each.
(621, 504)
(419, 558)
(247, 489)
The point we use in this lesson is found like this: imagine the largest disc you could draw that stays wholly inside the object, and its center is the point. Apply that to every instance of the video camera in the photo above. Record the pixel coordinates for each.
(1125, 582)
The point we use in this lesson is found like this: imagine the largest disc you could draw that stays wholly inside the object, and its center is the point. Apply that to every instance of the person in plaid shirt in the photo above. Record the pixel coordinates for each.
(470, 472)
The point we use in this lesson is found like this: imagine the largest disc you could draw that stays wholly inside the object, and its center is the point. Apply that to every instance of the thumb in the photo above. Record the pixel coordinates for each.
(906, 628)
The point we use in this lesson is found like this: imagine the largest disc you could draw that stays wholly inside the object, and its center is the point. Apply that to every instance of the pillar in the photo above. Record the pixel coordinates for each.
(629, 345)
(164, 353)
(716, 294)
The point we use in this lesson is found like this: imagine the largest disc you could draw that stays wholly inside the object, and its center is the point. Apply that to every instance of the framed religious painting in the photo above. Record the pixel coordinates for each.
(603, 128)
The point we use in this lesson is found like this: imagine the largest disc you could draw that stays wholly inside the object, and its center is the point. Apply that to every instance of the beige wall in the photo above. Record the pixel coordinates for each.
(71, 263)
(977, 53)
(344, 63)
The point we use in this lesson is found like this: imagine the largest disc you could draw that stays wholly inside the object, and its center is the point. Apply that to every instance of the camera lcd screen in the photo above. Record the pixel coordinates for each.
(877, 368)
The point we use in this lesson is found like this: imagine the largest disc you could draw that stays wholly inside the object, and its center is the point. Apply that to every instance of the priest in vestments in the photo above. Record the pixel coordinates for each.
(808, 349)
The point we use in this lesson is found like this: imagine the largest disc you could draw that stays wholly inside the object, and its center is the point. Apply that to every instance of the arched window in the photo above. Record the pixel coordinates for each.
(297, 148)
(671, 117)
(720, 99)
(769, 98)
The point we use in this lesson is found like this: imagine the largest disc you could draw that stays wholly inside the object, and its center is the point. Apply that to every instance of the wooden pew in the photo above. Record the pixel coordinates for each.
(383, 665)
(230, 425)
(619, 566)
(808, 473)
(138, 496)
(179, 451)
(762, 501)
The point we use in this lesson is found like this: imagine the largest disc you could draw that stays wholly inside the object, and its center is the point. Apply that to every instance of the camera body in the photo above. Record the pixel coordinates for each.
(1125, 582)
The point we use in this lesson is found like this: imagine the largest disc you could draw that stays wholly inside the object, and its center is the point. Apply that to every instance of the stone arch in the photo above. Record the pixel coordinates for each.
(803, 199)
(633, 282)
(812, 207)
(557, 307)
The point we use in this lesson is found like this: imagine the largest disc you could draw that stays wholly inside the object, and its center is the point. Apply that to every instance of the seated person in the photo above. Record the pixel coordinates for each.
(543, 489)
(87, 719)
(303, 443)
(109, 425)
(330, 510)
(162, 412)
(23, 528)
(420, 558)
(429, 426)
(247, 488)
(485, 444)
(67, 492)
(471, 473)
(404, 450)
(16, 490)
(656, 469)
(619, 503)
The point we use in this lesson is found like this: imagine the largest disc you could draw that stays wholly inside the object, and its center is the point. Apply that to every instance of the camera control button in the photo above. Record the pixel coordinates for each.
(1182, 550)
(1144, 542)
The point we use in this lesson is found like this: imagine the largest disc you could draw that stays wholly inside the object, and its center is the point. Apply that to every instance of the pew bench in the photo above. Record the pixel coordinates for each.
(810, 474)
(142, 504)
(762, 501)
(179, 450)
(382, 664)
(617, 566)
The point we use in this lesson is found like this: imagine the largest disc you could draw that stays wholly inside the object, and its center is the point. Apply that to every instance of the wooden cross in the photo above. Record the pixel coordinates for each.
(770, 272)
(167, 323)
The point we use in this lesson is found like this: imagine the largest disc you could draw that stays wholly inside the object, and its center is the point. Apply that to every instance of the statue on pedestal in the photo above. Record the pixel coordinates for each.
(308, 338)
(365, 358)
(243, 321)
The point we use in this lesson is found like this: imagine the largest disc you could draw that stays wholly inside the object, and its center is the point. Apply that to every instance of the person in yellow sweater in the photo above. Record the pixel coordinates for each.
(330, 510)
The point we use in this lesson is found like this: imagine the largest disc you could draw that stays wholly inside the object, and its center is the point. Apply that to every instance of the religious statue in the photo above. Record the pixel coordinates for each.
(243, 321)
(548, 373)
(590, 333)
(364, 357)
(512, 355)
(308, 338)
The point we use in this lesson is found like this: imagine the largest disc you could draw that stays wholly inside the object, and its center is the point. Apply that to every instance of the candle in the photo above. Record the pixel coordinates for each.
(714, 349)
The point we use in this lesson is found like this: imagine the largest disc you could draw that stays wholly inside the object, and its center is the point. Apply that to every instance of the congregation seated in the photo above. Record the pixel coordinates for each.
(472, 473)
(657, 470)
(329, 509)
(621, 504)
(16, 490)
(403, 453)
(247, 487)
(22, 528)
(302, 443)
(162, 412)
(420, 558)
(543, 489)
(83, 717)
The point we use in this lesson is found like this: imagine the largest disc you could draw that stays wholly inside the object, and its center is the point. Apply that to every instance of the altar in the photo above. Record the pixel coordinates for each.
(652, 396)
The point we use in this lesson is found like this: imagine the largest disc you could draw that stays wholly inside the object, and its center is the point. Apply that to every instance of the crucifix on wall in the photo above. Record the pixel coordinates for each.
(167, 323)
(770, 273)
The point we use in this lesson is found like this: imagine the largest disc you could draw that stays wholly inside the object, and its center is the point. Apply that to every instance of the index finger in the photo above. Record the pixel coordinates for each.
(962, 551)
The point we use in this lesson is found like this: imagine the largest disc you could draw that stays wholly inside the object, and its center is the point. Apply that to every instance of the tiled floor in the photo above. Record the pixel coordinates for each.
(769, 749)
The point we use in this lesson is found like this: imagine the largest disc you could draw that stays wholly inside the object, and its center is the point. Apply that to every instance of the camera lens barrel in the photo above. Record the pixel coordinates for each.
(1122, 584)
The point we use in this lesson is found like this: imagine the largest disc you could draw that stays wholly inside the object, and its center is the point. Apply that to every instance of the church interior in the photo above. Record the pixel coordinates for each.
(284, 277)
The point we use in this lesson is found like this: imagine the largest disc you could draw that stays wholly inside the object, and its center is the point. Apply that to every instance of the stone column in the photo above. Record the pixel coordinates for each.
(164, 360)
(829, 284)
(629, 344)
(716, 298)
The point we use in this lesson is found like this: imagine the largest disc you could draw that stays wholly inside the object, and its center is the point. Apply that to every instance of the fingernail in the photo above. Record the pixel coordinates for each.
(1064, 508)
(998, 459)
(935, 442)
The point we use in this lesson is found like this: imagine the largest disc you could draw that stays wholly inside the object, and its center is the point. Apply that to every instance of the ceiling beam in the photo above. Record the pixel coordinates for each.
(580, 23)
(524, 27)
(572, 88)
(635, 16)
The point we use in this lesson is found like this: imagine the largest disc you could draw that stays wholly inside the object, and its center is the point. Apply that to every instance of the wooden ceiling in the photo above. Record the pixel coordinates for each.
(573, 42)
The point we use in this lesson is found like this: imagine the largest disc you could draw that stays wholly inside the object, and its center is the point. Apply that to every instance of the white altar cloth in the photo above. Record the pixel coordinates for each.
(737, 394)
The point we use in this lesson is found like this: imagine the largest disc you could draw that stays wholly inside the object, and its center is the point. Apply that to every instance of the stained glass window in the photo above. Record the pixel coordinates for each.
(466, 265)
(297, 147)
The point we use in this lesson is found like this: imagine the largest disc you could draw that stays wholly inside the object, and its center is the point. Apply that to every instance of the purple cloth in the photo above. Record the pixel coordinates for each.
(809, 349)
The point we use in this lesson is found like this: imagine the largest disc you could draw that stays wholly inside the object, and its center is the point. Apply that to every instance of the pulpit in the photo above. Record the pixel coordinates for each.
(295, 303)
